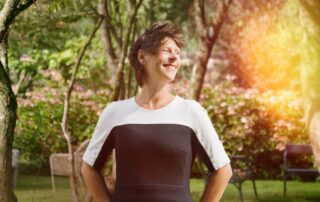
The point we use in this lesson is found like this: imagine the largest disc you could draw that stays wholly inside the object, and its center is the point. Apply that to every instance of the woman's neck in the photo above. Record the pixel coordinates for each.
(152, 96)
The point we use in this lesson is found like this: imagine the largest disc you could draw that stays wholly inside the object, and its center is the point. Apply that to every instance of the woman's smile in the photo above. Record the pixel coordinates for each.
(171, 67)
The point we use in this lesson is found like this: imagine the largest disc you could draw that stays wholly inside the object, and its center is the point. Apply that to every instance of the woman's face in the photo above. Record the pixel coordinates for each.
(163, 65)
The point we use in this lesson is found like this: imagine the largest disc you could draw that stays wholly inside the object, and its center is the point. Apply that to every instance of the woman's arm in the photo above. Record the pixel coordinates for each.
(95, 183)
(217, 184)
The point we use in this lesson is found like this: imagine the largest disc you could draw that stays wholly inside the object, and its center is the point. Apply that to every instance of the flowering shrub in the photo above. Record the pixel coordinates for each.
(38, 131)
(256, 124)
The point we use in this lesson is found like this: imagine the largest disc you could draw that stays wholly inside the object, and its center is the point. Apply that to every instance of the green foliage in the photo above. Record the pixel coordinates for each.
(310, 55)
(44, 46)
(42, 31)
(256, 125)
(65, 59)
(38, 134)
(176, 11)
(38, 130)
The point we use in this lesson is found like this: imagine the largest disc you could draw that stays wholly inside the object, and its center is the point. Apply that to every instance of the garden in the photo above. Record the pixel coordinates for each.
(253, 65)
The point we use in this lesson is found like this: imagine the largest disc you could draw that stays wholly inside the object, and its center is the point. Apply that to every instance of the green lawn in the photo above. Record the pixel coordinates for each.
(31, 188)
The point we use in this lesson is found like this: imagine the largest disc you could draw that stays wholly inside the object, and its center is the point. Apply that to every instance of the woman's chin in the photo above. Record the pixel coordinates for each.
(170, 75)
(170, 78)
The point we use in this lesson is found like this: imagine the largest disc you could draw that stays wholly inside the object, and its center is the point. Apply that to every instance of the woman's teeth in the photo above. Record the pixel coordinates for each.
(170, 67)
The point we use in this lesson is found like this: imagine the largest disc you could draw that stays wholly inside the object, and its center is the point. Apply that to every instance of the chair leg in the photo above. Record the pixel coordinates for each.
(52, 175)
(284, 184)
(15, 176)
(240, 192)
(53, 183)
(255, 188)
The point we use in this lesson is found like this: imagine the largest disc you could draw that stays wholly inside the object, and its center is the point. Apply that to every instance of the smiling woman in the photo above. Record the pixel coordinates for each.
(156, 135)
(163, 65)
(158, 46)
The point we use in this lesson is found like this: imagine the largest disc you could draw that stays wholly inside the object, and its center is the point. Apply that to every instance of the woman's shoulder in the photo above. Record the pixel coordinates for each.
(195, 113)
(123, 102)
(192, 104)
(188, 104)
(117, 105)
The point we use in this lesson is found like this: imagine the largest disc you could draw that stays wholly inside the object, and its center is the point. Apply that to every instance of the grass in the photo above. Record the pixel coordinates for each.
(38, 189)
(268, 191)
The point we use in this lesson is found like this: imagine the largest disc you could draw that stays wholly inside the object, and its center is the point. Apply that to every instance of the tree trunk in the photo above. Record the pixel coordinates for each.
(8, 102)
(124, 50)
(4, 52)
(106, 38)
(8, 110)
(131, 73)
(201, 66)
(130, 79)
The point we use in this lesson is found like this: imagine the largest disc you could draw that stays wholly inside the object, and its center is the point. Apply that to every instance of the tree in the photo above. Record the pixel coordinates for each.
(243, 48)
(117, 32)
(64, 124)
(208, 27)
(8, 103)
(124, 50)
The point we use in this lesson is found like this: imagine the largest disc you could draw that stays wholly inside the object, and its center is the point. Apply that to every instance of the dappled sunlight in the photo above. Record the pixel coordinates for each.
(270, 50)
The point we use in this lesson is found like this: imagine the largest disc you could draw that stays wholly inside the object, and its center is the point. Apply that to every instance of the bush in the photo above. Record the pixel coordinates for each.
(257, 125)
(38, 131)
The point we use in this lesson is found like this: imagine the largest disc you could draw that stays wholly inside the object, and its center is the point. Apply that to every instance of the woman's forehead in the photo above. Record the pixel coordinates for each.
(169, 42)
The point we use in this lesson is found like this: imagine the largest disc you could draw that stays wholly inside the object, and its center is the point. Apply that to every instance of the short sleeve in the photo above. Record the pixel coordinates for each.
(208, 145)
(102, 141)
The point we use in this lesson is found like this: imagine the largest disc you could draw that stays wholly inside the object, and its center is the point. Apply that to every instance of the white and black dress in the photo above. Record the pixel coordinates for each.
(155, 149)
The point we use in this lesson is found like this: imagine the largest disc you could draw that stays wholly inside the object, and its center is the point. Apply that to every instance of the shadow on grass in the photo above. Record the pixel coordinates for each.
(314, 198)
(40, 183)
(268, 190)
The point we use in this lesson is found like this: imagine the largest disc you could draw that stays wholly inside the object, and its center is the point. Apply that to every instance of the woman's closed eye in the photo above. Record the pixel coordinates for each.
(169, 51)
(166, 50)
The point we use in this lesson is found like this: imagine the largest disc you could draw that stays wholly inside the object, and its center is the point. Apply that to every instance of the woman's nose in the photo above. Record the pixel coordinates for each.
(173, 56)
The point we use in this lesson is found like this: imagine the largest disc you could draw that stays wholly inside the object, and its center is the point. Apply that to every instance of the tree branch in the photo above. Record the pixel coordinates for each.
(7, 16)
(74, 74)
(4, 52)
(216, 27)
(64, 122)
(22, 7)
(10, 10)
(202, 12)
(106, 29)
(207, 41)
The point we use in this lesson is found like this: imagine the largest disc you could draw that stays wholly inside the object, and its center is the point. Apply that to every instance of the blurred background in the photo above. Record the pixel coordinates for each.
(253, 64)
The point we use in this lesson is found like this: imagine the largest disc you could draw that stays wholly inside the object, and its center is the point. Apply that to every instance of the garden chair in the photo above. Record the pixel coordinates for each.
(242, 171)
(59, 164)
(296, 151)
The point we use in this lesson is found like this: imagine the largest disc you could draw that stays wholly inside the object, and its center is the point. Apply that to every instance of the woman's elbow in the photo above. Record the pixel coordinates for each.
(85, 168)
(229, 171)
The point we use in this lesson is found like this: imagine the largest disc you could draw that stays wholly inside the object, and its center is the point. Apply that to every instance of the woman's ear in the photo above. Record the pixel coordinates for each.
(141, 57)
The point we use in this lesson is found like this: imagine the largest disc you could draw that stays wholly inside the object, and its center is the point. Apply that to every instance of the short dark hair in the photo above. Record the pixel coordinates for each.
(150, 41)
